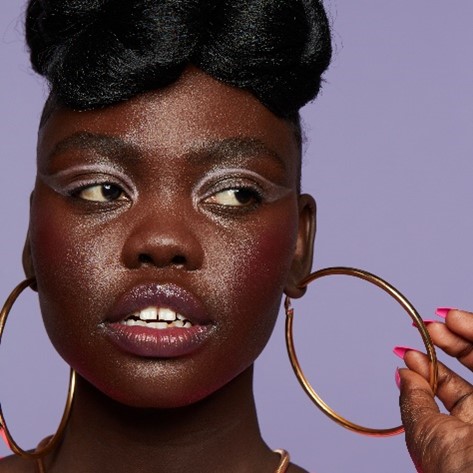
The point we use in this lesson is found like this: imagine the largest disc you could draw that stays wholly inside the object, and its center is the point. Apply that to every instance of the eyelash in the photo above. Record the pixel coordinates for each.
(220, 197)
(249, 187)
(254, 195)
(75, 193)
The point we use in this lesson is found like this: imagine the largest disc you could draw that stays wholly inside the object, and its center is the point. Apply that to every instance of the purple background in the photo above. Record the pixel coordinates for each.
(389, 160)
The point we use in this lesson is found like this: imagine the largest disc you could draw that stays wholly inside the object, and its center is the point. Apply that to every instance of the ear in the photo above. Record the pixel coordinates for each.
(27, 259)
(303, 255)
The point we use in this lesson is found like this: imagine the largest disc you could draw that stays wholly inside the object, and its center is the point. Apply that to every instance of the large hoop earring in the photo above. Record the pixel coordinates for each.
(408, 307)
(41, 451)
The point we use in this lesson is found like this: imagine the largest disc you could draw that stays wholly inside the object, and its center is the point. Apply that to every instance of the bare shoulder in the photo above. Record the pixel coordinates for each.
(15, 464)
(292, 469)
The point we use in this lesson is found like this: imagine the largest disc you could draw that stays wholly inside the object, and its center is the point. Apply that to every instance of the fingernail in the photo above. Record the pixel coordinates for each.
(443, 311)
(4, 437)
(401, 351)
(426, 322)
(397, 378)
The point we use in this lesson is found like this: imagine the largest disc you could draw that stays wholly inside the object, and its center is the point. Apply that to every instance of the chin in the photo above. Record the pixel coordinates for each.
(168, 390)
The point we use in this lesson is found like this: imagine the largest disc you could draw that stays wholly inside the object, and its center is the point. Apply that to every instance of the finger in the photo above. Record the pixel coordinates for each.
(455, 393)
(452, 343)
(417, 398)
(429, 434)
(461, 323)
(418, 413)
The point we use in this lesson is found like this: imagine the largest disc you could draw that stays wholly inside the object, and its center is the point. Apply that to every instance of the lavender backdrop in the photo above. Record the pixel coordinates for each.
(388, 159)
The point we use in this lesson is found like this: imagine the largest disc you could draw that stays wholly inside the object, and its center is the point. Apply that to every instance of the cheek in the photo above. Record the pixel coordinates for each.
(74, 266)
(251, 279)
(265, 252)
(265, 263)
(79, 271)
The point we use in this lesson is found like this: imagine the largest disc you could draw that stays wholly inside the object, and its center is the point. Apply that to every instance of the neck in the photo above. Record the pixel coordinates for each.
(219, 433)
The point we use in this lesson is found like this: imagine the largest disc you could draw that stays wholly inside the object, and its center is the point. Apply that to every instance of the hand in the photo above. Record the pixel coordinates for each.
(440, 443)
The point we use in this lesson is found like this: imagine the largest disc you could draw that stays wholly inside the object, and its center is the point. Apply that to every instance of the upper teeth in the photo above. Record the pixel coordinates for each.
(155, 314)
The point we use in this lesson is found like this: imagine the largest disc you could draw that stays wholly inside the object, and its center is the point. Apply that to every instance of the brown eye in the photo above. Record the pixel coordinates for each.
(101, 193)
(235, 197)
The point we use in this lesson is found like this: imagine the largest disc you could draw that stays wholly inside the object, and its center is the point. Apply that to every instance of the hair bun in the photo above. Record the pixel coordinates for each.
(98, 52)
(278, 50)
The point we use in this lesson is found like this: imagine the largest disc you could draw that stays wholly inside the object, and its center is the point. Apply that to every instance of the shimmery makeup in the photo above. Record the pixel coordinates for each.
(221, 179)
(183, 141)
(238, 147)
(106, 145)
(72, 178)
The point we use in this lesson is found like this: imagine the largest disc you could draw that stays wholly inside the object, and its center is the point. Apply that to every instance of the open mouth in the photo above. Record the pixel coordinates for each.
(148, 321)
(160, 318)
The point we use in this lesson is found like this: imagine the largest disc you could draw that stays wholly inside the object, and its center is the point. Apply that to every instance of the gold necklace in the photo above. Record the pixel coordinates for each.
(282, 467)
(284, 463)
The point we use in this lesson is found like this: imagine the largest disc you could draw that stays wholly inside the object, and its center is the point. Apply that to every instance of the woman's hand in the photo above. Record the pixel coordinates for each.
(440, 443)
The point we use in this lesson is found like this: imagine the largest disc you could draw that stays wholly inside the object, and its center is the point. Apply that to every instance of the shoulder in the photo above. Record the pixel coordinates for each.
(16, 464)
(292, 469)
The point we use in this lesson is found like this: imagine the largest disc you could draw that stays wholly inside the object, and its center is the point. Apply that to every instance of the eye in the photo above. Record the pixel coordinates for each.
(239, 197)
(106, 192)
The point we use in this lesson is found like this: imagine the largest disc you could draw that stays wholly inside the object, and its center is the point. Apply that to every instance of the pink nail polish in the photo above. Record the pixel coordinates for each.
(426, 322)
(397, 378)
(401, 351)
(443, 311)
(4, 437)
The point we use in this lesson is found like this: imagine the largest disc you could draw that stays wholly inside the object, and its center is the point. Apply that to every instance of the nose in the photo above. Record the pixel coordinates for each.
(162, 243)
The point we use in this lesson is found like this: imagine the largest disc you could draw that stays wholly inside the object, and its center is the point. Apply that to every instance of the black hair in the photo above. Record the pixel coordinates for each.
(95, 53)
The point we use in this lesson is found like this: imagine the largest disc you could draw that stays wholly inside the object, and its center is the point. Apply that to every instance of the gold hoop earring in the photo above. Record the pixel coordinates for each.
(54, 440)
(408, 307)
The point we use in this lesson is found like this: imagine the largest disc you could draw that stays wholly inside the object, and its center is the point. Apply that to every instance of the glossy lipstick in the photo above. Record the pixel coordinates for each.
(142, 339)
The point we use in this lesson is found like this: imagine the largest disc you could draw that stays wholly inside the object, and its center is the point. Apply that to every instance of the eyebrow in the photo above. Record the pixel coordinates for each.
(213, 150)
(238, 147)
(104, 144)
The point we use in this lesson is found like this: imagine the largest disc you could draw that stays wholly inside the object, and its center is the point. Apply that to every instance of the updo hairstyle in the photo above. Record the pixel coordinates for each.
(96, 53)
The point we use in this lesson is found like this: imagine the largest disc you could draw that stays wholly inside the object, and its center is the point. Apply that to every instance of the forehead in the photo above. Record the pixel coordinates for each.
(193, 111)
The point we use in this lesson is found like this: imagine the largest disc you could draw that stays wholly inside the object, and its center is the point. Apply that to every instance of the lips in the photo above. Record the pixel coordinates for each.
(158, 321)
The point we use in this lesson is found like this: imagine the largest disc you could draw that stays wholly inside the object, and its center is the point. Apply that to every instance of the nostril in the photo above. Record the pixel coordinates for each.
(179, 260)
(146, 259)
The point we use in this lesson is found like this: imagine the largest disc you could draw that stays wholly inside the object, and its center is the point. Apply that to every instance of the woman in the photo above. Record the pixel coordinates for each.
(115, 177)
(163, 175)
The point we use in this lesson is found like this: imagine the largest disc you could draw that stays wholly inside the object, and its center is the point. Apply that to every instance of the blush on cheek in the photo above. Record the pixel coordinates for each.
(256, 273)
(263, 267)
(63, 264)
(68, 250)
(276, 245)
(274, 251)
(49, 244)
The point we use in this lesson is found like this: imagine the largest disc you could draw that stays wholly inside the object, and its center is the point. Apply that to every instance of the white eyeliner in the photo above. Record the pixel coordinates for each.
(116, 176)
(237, 173)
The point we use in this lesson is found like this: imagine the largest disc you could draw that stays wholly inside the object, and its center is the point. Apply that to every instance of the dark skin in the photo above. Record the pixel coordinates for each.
(204, 196)
(437, 442)
(172, 220)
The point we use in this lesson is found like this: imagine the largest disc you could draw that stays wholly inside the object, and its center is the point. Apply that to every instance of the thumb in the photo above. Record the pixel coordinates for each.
(419, 413)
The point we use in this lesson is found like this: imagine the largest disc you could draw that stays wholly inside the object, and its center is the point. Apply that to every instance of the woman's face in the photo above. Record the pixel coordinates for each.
(163, 233)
